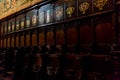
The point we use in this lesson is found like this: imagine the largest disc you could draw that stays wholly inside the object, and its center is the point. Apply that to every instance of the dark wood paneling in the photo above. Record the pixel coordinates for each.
(50, 35)
(22, 39)
(41, 37)
(34, 38)
(17, 40)
(27, 39)
(86, 32)
(1, 43)
(4, 42)
(105, 31)
(60, 34)
(13, 40)
(72, 33)
(8, 41)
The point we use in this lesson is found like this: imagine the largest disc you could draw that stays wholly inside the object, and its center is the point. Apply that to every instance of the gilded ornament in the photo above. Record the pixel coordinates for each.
(100, 3)
(84, 7)
(70, 11)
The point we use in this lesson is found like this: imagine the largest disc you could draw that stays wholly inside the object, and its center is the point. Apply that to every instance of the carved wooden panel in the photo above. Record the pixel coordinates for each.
(84, 7)
(119, 24)
(5, 42)
(1, 27)
(70, 9)
(50, 36)
(1, 43)
(60, 35)
(85, 32)
(72, 37)
(17, 40)
(27, 39)
(34, 38)
(105, 32)
(41, 37)
(12, 41)
(22, 40)
(8, 41)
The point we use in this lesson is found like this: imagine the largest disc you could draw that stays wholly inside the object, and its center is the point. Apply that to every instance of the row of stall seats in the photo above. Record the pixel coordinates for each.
(51, 63)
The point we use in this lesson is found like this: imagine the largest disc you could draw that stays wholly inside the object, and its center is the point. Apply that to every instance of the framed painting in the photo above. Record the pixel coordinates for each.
(28, 20)
(18, 23)
(59, 12)
(13, 25)
(22, 21)
(9, 26)
(34, 18)
(49, 13)
(41, 15)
